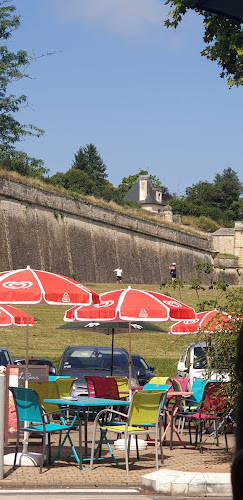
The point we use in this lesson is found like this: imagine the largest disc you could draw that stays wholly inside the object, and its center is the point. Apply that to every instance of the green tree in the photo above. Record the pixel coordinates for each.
(12, 68)
(223, 38)
(20, 162)
(200, 194)
(227, 189)
(90, 162)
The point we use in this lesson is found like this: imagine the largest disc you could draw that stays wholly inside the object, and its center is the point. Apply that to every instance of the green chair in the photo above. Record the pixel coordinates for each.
(143, 416)
(29, 410)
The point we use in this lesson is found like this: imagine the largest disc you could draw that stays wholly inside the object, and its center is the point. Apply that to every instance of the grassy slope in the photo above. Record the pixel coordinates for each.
(46, 339)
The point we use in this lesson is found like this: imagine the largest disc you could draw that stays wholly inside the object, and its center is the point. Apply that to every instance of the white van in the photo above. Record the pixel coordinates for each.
(192, 364)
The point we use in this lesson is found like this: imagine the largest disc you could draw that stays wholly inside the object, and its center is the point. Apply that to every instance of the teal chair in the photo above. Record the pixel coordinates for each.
(29, 410)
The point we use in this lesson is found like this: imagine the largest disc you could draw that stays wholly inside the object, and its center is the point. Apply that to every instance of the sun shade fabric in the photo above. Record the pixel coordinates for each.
(228, 8)
(207, 321)
(11, 316)
(29, 286)
(133, 305)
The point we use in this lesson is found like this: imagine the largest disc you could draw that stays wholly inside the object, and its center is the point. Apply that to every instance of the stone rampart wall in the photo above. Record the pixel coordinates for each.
(60, 234)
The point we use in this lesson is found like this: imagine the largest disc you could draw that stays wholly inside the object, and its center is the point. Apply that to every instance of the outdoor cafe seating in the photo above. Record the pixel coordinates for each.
(144, 415)
(28, 410)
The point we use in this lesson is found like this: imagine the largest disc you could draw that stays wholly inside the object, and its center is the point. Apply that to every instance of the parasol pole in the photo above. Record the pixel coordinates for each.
(112, 349)
(25, 440)
(130, 359)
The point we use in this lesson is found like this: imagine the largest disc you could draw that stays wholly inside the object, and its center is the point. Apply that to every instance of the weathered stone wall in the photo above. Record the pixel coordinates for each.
(60, 234)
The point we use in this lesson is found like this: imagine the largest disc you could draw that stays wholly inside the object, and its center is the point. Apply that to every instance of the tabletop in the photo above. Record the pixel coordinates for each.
(87, 402)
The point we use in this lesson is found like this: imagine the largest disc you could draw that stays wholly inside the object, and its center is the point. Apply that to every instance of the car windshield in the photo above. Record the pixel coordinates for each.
(94, 359)
(200, 360)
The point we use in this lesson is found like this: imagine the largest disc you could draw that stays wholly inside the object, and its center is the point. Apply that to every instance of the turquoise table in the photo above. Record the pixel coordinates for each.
(79, 407)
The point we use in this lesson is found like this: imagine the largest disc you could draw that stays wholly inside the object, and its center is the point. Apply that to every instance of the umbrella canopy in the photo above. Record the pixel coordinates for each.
(132, 305)
(207, 320)
(28, 286)
(11, 316)
(228, 8)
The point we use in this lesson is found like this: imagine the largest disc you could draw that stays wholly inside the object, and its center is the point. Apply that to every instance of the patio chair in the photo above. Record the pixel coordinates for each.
(180, 383)
(210, 409)
(159, 380)
(29, 410)
(65, 385)
(47, 390)
(192, 403)
(123, 387)
(102, 387)
(144, 415)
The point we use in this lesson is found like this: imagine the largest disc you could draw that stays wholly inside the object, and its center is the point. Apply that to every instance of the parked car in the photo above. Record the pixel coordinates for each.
(77, 361)
(143, 372)
(37, 361)
(5, 357)
(193, 364)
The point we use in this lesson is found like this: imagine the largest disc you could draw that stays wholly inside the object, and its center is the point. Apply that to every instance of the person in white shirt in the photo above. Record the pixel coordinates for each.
(118, 272)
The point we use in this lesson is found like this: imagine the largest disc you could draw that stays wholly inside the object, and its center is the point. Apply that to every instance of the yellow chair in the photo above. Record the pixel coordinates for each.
(64, 386)
(144, 416)
(46, 390)
(159, 380)
(123, 388)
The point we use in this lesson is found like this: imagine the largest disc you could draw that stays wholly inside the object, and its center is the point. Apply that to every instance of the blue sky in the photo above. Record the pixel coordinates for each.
(140, 92)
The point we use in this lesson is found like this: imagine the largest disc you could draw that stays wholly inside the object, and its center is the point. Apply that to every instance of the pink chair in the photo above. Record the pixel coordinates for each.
(182, 382)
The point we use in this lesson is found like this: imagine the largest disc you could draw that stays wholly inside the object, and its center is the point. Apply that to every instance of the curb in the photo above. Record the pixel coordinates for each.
(178, 483)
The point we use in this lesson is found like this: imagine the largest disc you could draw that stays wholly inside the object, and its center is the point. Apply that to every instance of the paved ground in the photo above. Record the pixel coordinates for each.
(65, 472)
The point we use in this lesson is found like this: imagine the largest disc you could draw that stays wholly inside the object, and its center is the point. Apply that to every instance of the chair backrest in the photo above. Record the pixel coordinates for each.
(183, 381)
(213, 399)
(123, 387)
(156, 387)
(46, 390)
(145, 407)
(197, 389)
(27, 404)
(104, 387)
(64, 386)
(175, 384)
(90, 386)
(158, 380)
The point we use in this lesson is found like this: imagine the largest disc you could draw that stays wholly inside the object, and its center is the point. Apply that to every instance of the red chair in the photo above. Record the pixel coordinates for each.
(211, 408)
(102, 387)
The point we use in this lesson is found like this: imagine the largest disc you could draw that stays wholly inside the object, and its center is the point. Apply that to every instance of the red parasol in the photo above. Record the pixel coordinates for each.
(29, 286)
(207, 320)
(11, 316)
(132, 305)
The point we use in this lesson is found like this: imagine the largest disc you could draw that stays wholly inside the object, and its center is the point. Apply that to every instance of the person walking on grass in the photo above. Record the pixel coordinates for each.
(118, 272)
(172, 269)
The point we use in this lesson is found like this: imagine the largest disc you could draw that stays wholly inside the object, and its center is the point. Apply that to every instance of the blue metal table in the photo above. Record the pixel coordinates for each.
(79, 405)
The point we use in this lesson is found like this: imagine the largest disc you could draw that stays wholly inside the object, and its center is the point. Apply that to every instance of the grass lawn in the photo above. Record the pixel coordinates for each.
(48, 340)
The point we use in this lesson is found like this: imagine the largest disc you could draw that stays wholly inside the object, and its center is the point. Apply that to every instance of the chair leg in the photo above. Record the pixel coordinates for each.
(160, 443)
(127, 449)
(136, 438)
(80, 444)
(156, 449)
(16, 450)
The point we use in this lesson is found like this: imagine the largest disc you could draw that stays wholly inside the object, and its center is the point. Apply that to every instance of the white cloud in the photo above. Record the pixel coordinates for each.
(125, 17)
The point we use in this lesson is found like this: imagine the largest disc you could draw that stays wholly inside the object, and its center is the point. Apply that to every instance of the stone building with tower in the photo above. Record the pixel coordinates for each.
(150, 198)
